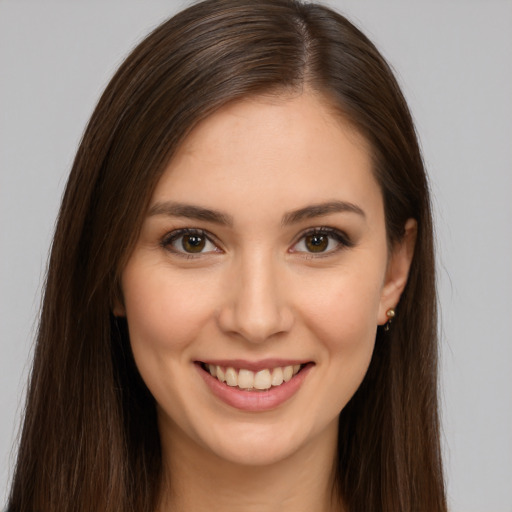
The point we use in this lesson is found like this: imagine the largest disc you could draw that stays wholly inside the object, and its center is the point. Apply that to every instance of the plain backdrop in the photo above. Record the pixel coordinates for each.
(454, 61)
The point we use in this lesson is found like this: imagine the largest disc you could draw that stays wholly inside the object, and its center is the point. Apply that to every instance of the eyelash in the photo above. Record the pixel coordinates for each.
(169, 239)
(339, 237)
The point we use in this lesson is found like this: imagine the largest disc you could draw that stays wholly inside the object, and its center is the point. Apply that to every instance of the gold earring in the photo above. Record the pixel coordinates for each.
(390, 313)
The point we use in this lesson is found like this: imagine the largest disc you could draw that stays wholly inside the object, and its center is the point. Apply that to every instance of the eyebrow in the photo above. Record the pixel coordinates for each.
(321, 209)
(172, 209)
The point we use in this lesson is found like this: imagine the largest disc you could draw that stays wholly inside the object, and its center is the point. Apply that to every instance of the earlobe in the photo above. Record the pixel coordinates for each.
(118, 308)
(398, 270)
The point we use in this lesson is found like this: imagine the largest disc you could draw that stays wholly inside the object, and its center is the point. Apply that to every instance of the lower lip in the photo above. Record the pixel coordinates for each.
(255, 401)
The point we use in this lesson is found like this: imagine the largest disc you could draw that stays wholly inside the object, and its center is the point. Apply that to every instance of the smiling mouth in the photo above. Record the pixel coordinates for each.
(247, 380)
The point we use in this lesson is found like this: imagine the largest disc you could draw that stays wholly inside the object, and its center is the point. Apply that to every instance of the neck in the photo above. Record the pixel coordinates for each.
(196, 479)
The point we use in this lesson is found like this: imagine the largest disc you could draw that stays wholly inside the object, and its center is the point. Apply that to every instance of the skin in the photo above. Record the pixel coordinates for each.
(257, 291)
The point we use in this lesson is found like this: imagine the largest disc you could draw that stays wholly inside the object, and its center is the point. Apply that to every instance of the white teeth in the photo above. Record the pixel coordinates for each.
(262, 380)
(287, 373)
(247, 379)
(231, 377)
(220, 374)
(277, 376)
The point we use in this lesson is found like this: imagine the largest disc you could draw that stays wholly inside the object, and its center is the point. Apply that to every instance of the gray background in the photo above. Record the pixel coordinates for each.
(454, 60)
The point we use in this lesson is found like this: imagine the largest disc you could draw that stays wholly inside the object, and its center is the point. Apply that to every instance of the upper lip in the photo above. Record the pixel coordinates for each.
(254, 366)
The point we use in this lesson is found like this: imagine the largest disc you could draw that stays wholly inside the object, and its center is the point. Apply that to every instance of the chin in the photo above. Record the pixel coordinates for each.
(256, 446)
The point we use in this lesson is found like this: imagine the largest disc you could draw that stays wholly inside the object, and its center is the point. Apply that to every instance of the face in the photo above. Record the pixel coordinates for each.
(259, 279)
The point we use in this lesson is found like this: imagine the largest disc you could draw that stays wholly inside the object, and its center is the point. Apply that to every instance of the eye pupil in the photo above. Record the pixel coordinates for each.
(317, 243)
(193, 243)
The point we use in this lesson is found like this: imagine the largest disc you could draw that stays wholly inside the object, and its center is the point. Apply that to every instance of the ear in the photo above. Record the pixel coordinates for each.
(118, 308)
(397, 270)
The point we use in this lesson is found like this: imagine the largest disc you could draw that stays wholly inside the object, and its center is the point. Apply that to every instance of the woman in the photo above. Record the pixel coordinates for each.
(240, 303)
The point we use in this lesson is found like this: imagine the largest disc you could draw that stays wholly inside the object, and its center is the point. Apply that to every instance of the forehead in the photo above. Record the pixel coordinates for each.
(281, 150)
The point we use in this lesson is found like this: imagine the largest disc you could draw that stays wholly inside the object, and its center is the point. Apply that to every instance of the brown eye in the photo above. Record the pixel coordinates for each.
(316, 242)
(193, 243)
(322, 241)
(188, 242)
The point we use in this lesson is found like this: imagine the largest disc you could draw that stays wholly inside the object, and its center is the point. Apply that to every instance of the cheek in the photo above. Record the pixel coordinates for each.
(165, 315)
(342, 307)
(164, 312)
(343, 321)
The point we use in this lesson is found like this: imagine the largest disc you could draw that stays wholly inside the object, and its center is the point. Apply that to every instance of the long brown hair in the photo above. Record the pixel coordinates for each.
(90, 439)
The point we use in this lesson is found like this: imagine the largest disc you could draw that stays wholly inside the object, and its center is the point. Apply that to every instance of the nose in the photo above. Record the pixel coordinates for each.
(256, 307)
